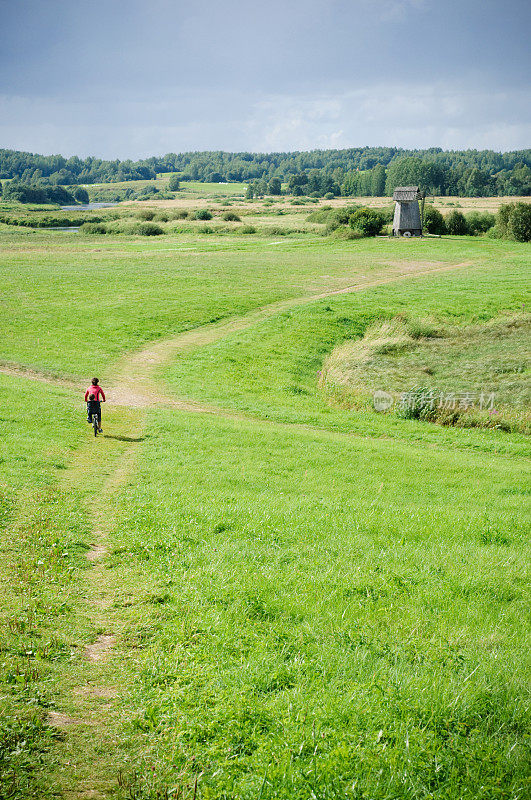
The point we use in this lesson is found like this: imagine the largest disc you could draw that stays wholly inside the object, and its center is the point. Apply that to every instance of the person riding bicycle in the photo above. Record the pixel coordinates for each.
(94, 396)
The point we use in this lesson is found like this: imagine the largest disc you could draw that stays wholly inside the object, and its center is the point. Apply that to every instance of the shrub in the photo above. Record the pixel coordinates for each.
(148, 229)
(513, 221)
(387, 213)
(367, 221)
(275, 230)
(343, 215)
(206, 229)
(162, 216)
(231, 216)
(321, 215)
(344, 232)
(146, 214)
(203, 213)
(520, 222)
(434, 221)
(478, 222)
(332, 225)
(93, 227)
(173, 183)
(247, 229)
(456, 224)
(179, 214)
(81, 195)
(329, 196)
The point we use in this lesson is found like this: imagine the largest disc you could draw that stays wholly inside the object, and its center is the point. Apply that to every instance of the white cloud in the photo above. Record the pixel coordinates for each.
(403, 115)
(406, 115)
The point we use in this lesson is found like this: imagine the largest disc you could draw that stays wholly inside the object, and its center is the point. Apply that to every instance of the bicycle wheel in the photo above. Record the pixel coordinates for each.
(95, 424)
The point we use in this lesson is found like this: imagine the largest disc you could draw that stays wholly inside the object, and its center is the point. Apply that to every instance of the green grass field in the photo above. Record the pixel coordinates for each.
(277, 596)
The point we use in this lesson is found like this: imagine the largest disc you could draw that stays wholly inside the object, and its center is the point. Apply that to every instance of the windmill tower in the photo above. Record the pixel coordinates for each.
(407, 220)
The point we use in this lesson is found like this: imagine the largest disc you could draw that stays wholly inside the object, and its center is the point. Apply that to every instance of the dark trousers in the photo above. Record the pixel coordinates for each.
(94, 407)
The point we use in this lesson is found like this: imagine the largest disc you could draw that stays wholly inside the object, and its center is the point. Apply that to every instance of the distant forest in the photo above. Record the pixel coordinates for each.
(361, 171)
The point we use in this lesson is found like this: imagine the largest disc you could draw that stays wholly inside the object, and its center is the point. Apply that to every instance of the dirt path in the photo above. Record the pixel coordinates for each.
(139, 369)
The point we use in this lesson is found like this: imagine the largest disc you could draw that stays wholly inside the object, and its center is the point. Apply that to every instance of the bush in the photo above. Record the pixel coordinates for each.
(387, 213)
(93, 227)
(173, 184)
(322, 215)
(162, 216)
(275, 230)
(434, 221)
(329, 196)
(247, 229)
(343, 215)
(81, 195)
(231, 216)
(514, 221)
(203, 213)
(367, 221)
(344, 232)
(179, 214)
(456, 224)
(478, 223)
(148, 229)
(146, 214)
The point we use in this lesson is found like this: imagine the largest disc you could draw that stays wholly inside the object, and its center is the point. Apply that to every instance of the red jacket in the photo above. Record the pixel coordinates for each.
(97, 391)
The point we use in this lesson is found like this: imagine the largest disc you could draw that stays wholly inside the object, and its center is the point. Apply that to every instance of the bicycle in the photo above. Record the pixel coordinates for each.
(95, 424)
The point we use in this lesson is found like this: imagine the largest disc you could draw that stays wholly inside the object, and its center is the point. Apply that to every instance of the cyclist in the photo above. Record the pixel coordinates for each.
(94, 396)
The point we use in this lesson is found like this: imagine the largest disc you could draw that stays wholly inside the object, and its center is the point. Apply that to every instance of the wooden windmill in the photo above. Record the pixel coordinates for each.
(407, 220)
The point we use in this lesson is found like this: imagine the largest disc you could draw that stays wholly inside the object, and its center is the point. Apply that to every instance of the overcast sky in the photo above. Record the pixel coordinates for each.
(133, 78)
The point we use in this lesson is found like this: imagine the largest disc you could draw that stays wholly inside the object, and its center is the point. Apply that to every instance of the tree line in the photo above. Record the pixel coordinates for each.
(365, 171)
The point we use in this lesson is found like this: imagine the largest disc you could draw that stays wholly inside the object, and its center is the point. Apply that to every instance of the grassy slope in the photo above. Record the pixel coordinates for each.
(272, 369)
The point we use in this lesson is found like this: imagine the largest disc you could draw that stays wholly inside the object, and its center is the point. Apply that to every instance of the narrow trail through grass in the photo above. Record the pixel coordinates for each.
(90, 691)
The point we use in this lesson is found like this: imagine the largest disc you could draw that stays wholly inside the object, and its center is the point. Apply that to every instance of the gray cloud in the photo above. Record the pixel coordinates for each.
(130, 80)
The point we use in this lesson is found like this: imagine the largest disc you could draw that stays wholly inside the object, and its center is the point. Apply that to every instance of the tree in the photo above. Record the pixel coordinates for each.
(378, 176)
(260, 188)
(456, 224)
(173, 183)
(414, 171)
(274, 186)
(249, 194)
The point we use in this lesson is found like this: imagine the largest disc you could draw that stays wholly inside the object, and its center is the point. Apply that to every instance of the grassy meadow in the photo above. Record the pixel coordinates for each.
(285, 594)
